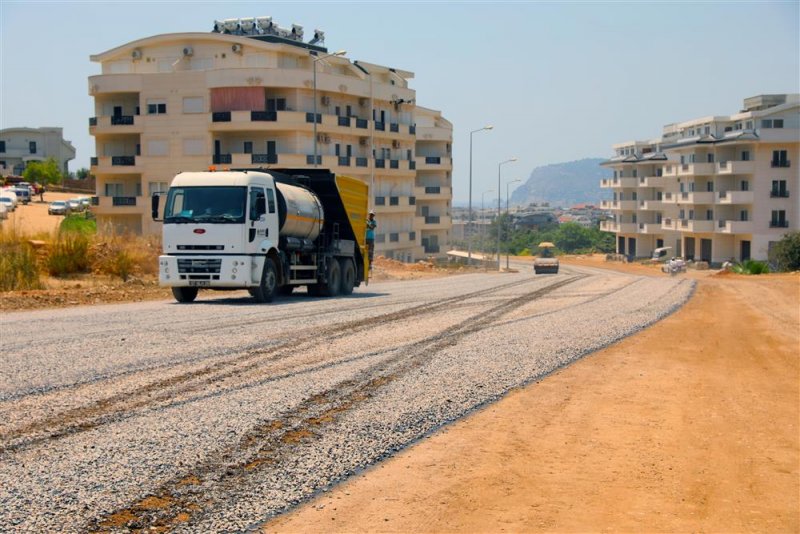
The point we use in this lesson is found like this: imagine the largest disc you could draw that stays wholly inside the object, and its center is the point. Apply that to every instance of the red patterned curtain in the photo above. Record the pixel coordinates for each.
(238, 99)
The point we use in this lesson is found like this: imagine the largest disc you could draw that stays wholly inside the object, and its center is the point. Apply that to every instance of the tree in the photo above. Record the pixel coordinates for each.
(43, 172)
(82, 173)
(785, 254)
(572, 236)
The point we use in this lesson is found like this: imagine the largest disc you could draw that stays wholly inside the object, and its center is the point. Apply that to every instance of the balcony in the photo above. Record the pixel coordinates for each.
(696, 226)
(432, 163)
(650, 205)
(116, 165)
(650, 228)
(120, 205)
(653, 181)
(433, 222)
(263, 158)
(119, 124)
(696, 197)
(432, 192)
(734, 227)
(222, 159)
(396, 204)
(780, 164)
(735, 167)
(608, 226)
(735, 197)
(236, 121)
(776, 193)
(628, 182)
(669, 224)
(778, 224)
(696, 169)
(609, 182)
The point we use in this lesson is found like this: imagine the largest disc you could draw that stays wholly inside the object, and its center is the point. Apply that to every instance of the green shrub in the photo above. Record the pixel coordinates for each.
(79, 224)
(751, 267)
(785, 254)
(18, 266)
(69, 254)
(524, 252)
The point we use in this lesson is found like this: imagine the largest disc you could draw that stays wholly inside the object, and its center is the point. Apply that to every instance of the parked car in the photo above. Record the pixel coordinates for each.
(23, 194)
(9, 202)
(86, 202)
(3, 211)
(75, 205)
(674, 266)
(58, 207)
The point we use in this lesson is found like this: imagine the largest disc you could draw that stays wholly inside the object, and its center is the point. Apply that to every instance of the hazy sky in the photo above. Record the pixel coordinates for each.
(558, 81)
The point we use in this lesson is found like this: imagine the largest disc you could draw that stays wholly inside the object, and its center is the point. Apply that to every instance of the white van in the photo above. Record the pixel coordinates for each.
(9, 194)
(23, 194)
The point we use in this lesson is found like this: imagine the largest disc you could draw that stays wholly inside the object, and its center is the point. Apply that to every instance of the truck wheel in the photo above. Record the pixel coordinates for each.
(348, 271)
(184, 295)
(334, 279)
(265, 292)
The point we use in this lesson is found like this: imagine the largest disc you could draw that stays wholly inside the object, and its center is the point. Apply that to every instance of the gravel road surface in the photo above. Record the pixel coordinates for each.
(218, 415)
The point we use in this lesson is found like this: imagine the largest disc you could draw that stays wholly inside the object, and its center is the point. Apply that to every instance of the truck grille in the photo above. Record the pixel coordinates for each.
(199, 269)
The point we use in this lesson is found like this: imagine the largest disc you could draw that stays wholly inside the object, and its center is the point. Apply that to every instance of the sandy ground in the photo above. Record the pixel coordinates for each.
(32, 219)
(691, 425)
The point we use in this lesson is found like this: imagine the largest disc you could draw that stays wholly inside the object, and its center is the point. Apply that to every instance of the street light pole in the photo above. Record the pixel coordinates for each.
(483, 221)
(468, 235)
(314, 59)
(507, 214)
(499, 166)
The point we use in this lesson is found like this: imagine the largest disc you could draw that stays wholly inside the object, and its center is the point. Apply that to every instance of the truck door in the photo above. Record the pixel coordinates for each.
(257, 220)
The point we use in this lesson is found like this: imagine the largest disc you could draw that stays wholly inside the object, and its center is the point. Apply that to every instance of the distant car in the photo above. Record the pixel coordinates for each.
(75, 205)
(23, 194)
(674, 266)
(86, 202)
(9, 202)
(58, 207)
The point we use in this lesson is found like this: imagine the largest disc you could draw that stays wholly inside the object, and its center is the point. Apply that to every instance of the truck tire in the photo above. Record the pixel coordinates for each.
(348, 271)
(333, 280)
(184, 295)
(265, 292)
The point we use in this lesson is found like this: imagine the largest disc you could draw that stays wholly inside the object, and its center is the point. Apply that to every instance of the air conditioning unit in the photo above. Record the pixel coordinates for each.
(237, 48)
(395, 144)
(326, 100)
(364, 141)
(136, 54)
(188, 51)
(323, 138)
(363, 101)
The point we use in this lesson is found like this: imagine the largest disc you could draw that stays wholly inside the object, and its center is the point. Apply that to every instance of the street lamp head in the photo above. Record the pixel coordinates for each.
(339, 53)
(490, 127)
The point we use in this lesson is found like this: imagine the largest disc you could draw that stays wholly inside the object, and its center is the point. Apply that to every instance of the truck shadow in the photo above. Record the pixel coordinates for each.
(247, 300)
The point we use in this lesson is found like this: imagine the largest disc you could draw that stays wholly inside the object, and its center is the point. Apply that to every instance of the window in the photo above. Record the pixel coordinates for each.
(156, 107)
(709, 215)
(707, 130)
(766, 123)
(777, 123)
(778, 219)
(634, 173)
(779, 158)
(779, 189)
(634, 195)
(114, 190)
(271, 200)
(192, 104)
(745, 185)
(248, 147)
(744, 215)
(745, 155)
(2, 146)
(749, 125)
(32, 147)
(691, 214)
(157, 187)
(710, 158)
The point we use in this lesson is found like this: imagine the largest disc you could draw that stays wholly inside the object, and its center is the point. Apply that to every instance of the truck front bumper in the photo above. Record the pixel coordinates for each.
(228, 272)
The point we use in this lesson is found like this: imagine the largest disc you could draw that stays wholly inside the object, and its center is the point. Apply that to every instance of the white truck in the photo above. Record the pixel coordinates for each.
(267, 231)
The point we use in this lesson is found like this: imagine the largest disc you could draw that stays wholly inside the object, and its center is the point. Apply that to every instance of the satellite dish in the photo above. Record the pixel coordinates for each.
(237, 48)
(188, 51)
(136, 54)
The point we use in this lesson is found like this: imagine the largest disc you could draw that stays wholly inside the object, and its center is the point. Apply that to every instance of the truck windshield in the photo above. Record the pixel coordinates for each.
(223, 205)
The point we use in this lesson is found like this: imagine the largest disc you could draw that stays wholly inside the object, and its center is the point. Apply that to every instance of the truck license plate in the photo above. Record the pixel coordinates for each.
(198, 283)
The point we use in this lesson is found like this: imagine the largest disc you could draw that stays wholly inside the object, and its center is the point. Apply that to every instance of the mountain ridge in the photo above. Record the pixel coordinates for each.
(564, 184)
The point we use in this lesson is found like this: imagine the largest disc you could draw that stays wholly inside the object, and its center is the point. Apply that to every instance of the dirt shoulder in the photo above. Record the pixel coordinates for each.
(691, 425)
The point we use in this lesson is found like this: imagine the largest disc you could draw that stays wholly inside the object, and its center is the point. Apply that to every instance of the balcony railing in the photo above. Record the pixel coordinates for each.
(362, 123)
(124, 161)
(394, 201)
(779, 224)
(412, 236)
(270, 116)
(433, 190)
(222, 159)
(431, 249)
(95, 201)
(780, 163)
(121, 120)
(433, 160)
(221, 116)
(779, 194)
(310, 159)
(381, 126)
(123, 201)
(264, 158)
(412, 165)
(94, 161)
(344, 161)
(92, 121)
(380, 201)
(380, 163)
(394, 237)
(361, 162)
(432, 219)
(412, 129)
(344, 121)
(394, 127)
(412, 201)
(394, 164)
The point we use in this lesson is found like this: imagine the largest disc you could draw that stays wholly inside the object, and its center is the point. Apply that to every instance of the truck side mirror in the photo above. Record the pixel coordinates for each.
(154, 201)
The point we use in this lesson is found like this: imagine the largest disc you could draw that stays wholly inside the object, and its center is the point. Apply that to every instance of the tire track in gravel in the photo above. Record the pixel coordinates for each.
(115, 407)
(266, 445)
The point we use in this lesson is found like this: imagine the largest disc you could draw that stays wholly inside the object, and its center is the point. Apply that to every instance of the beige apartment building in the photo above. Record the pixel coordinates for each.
(712, 188)
(244, 97)
(19, 146)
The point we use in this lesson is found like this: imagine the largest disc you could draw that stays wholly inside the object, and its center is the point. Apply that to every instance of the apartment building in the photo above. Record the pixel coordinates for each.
(251, 94)
(712, 188)
(19, 146)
